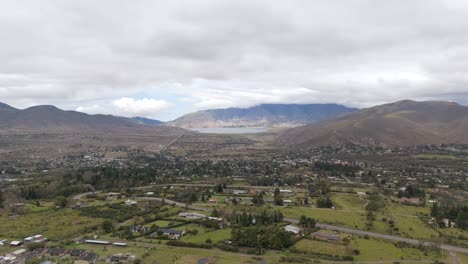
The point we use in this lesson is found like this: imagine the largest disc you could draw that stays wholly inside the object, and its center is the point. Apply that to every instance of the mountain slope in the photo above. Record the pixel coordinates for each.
(147, 121)
(6, 107)
(396, 124)
(51, 118)
(262, 115)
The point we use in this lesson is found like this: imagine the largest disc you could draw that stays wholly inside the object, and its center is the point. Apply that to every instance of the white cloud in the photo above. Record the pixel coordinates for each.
(216, 53)
(142, 107)
(128, 107)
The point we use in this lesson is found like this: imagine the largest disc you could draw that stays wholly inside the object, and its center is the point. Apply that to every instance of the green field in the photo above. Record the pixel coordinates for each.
(374, 249)
(347, 201)
(54, 224)
(321, 247)
(329, 216)
(218, 235)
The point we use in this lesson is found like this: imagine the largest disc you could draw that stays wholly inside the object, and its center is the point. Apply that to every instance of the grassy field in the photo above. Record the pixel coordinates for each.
(54, 224)
(329, 216)
(215, 236)
(374, 249)
(436, 157)
(347, 201)
(163, 223)
(369, 250)
(321, 247)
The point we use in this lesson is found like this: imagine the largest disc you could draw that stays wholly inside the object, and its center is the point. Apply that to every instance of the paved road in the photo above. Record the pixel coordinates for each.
(383, 236)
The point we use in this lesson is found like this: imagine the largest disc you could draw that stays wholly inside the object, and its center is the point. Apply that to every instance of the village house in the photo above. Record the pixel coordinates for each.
(16, 243)
(326, 237)
(286, 191)
(191, 215)
(139, 229)
(413, 201)
(130, 202)
(292, 229)
(170, 233)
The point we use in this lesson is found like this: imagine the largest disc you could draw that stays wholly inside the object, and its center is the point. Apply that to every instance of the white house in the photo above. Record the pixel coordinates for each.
(292, 229)
(190, 215)
(16, 243)
(130, 202)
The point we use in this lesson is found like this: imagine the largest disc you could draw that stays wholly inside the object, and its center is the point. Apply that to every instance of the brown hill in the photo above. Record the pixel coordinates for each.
(401, 123)
(51, 118)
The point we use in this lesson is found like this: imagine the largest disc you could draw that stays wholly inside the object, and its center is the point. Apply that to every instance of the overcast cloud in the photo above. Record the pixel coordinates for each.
(161, 59)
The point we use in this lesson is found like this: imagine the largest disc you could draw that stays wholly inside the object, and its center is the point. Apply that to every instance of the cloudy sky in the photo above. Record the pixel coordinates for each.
(162, 59)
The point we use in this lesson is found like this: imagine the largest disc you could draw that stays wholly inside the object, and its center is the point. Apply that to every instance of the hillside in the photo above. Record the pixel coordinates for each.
(147, 121)
(51, 118)
(267, 115)
(396, 124)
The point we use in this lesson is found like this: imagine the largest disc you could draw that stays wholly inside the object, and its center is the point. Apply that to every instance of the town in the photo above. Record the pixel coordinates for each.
(332, 204)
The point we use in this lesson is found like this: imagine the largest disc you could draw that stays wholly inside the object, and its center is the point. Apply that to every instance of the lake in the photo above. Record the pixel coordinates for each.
(231, 130)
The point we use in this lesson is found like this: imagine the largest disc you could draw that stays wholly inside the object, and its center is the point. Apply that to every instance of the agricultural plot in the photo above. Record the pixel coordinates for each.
(375, 249)
(339, 217)
(347, 201)
(57, 224)
(218, 235)
(321, 247)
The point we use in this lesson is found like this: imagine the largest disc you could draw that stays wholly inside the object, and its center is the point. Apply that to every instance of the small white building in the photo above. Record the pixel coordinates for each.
(238, 192)
(292, 229)
(19, 252)
(16, 243)
(286, 191)
(191, 215)
(130, 202)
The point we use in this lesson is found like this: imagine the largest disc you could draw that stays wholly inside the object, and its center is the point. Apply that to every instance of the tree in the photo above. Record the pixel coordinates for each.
(215, 213)
(306, 200)
(219, 188)
(193, 197)
(279, 200)
(107, 226)
(61, 201)
(277, 192)
(462, 218)
(1, 199)
(324, 203)
(258, 199)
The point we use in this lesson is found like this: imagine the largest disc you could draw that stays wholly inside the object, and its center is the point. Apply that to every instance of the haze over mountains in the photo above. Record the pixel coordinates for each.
(51, 118)
(264, 115)
(396, 124)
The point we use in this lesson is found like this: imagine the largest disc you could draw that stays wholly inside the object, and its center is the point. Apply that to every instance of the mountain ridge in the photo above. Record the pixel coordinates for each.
(51, 118)
(267, 115)
(400, 123)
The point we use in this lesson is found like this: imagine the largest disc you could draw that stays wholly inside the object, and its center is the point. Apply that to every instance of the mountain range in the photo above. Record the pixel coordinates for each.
(264, 115)
(401, 123)
(51, 118)
(396, 124)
